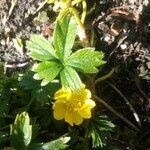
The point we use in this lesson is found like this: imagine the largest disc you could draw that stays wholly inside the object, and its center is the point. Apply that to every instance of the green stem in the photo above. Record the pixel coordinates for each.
(63, 12)
(77, 17)
(74, 12)
(83, 16)
(91, 10)
(75, 2)
(67, 4)
(92, 38)
(81, 28)
(30, 103)
(105, 76)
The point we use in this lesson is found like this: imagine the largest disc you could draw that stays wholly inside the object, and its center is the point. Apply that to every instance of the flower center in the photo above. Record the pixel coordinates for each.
(73, 106)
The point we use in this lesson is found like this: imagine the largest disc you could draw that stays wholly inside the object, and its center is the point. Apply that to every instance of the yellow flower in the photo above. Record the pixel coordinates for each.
(73, 106)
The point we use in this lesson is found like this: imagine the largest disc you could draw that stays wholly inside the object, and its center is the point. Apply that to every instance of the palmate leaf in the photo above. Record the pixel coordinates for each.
(40, 48)
(64, 36)
(86, 60)
(57, 58)
(47, 71)
(70, 78)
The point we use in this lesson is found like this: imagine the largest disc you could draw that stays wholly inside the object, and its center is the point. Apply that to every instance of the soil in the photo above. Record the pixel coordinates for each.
(123, 33)
(18, 23)
(123, 29)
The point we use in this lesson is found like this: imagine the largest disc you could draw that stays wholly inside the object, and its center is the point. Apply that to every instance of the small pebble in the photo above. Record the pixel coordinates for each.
(140, 9)
(148, 65)
(3, 42)
(145, 2)
(107, 38)
(123, 46)
(38, 28)
(132, 1)
(7, 30)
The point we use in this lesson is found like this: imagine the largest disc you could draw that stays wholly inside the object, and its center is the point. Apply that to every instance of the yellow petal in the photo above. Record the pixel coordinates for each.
(81, 95)
(90, 102)
(59, 110)
(85, 110)
(87, 93)
(63, 94)
(77, 119)
(73, 118)
(69, 117)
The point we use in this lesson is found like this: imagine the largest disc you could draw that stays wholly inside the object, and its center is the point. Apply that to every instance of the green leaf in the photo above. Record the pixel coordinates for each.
(56, 144)
(58, 59)
(40, 48)
(21, 131)
(64, 36)
(98, 129)
(86, 60)
(70, 78)
(33, 87)
(3, 137)
(47, 71)
(27, 82)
